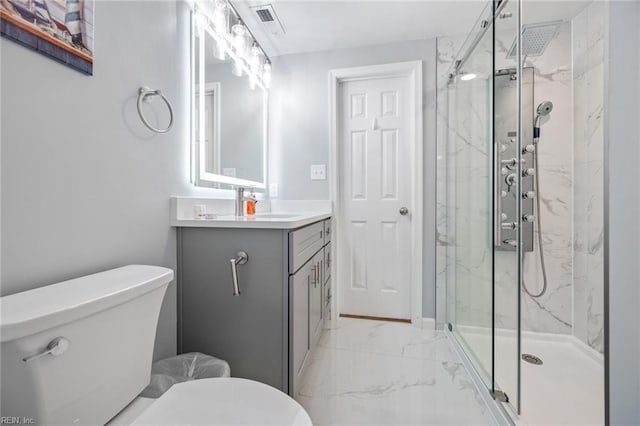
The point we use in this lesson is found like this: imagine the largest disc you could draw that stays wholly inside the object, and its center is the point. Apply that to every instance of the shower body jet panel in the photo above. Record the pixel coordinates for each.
(507, 167)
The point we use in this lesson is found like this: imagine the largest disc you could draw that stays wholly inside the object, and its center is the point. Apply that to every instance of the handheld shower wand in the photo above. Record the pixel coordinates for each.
(543, 110)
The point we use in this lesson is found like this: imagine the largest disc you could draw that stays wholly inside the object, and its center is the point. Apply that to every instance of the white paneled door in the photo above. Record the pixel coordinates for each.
(374, 143)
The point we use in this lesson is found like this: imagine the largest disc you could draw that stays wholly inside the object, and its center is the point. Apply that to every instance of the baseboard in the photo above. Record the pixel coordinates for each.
(373, 318)
(428, 323)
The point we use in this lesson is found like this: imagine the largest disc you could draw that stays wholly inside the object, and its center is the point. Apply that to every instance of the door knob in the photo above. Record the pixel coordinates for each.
(404, 211)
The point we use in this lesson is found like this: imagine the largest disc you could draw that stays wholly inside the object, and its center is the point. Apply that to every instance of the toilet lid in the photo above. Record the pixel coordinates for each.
(224, 401)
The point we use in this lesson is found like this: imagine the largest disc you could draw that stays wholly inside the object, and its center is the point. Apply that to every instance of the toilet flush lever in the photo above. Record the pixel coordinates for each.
(241, 259)
(56, 347)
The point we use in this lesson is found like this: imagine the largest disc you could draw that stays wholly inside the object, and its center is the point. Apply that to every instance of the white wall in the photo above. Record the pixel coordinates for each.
(85, 187)
(623, 255)
(299, 127)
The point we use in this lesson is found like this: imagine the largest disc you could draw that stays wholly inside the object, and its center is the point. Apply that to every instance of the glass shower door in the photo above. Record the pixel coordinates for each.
(470, 187)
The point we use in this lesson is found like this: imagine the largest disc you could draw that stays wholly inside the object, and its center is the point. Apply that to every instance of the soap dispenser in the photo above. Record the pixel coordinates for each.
(251, 203)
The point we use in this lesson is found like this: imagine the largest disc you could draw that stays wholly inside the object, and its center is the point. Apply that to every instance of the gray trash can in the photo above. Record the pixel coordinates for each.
(182, 368)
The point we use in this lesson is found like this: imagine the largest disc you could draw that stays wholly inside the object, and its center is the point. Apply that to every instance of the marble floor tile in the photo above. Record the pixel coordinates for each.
(379, 373)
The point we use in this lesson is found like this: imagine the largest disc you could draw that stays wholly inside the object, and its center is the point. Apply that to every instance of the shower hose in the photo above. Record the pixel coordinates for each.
(538, 224)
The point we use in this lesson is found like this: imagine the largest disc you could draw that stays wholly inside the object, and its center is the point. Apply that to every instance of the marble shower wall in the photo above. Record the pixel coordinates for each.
(552, 312)
(588, 75)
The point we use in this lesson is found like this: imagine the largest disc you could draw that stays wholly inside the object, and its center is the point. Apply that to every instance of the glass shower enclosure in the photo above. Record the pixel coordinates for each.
(520, 199)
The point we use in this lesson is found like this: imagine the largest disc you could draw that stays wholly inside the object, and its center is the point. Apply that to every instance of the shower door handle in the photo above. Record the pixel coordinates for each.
(497, 196)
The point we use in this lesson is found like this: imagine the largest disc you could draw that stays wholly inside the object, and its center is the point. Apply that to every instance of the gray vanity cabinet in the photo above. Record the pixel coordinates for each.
(267, 332)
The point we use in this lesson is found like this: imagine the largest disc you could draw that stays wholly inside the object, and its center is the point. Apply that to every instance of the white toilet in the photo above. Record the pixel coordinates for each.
(80, 351)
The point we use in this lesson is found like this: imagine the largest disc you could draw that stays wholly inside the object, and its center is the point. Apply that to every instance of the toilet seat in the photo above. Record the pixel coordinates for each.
(224, 401)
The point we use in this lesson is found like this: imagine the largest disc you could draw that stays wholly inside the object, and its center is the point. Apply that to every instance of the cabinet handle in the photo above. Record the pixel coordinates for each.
(241, 259)
(313, 275)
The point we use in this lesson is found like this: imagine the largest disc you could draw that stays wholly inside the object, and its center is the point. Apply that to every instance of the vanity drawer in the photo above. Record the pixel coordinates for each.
(327, 231)
(304, 243)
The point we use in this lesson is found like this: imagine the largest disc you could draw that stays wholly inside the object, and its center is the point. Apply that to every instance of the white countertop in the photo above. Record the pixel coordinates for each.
(258, 221)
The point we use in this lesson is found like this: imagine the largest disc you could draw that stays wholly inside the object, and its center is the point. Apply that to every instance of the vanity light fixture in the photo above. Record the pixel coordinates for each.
(238, 44)
(468, 76)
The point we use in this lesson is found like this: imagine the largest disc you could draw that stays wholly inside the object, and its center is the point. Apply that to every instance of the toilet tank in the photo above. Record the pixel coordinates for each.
(110, 321)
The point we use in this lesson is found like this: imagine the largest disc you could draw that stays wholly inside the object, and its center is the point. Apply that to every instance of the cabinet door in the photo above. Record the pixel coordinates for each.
(327, 263)
(315, 298)
(248, 331)
(299, 323)
(326, 302)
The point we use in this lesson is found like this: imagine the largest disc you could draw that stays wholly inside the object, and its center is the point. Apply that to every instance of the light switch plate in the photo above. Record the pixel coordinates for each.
(318, 172)
(273, 190)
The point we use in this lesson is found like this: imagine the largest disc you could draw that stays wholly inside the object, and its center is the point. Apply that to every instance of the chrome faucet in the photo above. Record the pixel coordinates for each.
(240, 199)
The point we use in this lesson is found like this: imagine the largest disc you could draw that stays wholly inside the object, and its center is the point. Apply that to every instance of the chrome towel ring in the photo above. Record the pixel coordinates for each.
(143, 94)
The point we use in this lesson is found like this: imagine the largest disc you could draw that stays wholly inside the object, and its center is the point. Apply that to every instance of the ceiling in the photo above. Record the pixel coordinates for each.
(318, 25)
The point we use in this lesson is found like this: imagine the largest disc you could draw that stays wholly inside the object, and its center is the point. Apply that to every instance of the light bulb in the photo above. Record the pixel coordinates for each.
(239, 38)
(266, 73)
(240, 45)
(254, 59)
(221, 17)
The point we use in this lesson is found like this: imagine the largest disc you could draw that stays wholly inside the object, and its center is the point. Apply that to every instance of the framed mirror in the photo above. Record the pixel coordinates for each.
(230, 111)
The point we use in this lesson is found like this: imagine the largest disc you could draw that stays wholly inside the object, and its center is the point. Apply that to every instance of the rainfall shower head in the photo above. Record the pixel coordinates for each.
(535, 39)
(543, 109)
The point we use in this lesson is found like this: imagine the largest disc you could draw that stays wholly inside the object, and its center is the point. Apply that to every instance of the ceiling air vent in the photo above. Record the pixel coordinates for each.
(265, 15)
(269, 19)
